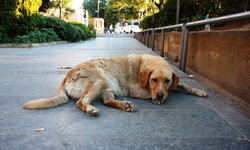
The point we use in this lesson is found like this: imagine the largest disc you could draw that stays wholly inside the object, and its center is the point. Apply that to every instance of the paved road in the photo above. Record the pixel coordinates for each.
(182, 122)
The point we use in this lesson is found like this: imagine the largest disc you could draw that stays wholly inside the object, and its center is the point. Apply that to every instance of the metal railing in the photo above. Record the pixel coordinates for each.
(234, 17)
(162, 37)
(185, 33)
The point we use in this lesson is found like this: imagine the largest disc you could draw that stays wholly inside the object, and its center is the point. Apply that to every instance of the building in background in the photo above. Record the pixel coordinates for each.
(99, 25)
(79, 16)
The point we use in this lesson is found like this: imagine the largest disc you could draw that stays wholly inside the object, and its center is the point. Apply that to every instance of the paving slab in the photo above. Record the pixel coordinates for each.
(182, 122)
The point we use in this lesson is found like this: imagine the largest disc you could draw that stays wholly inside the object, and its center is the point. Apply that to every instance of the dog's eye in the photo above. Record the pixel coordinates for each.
(167, 81)
(155, 80)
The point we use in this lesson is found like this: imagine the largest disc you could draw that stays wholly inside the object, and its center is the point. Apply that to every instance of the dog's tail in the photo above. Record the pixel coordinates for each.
(61, 98)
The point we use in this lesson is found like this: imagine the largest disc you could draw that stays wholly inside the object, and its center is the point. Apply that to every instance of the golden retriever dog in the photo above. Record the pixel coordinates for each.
(138, 76)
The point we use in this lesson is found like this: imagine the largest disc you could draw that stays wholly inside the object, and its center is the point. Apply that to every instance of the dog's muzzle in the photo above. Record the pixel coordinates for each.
(159, 99)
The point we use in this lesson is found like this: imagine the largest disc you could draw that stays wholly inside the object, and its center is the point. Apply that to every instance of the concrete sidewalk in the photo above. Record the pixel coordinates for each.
(182, 122)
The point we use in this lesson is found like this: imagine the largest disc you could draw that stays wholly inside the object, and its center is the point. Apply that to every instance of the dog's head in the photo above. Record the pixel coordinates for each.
(158, 80)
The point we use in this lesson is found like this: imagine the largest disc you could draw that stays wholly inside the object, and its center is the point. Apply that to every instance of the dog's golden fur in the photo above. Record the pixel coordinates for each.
(138, 76)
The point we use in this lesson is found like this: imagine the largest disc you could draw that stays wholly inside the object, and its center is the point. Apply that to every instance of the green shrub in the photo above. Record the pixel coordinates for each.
(82, 34)
(3, 35)
(41, 21)
(82, 28)
(18, 17)
(38, 36)
(65, 30)
(22, 39)
(18, 25)
(57, 25)
(73, 34)
(50, 35)
(92, 32)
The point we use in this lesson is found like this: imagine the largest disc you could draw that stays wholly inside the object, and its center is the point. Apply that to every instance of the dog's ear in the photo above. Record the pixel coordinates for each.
(175, 80)
(144, 75)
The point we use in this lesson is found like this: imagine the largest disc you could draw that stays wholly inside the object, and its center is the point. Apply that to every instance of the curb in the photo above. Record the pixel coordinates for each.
(115, 35)
(31, 45)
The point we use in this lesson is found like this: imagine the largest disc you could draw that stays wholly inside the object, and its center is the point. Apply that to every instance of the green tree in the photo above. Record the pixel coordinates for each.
(131, 9)
(18, 16)
(65, 3)
(28, 7)
(45, 6)
(54, 4)
(92, 6)
(215, 8)
(159, 3)
(193, 10)
(67, 14)
(110, 16)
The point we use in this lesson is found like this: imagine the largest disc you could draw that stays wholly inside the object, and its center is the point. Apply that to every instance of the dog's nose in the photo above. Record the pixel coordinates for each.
(160, 94)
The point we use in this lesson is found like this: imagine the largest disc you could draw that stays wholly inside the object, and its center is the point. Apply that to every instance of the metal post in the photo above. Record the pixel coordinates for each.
(177, 11)
(153, 40)
(60, 10)
(182, 44)
(141, 37)
(162, 42)
(144, 38)
(153, 14)
(184, 56)
(146, 14)
(142, 41)
(98, 10)
(147, 38)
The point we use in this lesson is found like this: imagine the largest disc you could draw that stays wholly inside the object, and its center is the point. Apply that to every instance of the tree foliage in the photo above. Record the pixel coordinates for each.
(215, 8)
(19, 19)
(18, 16)
(45, 6)
(110, 16)
(132, 9)
(92, 6)
(28, 7)
(38, 36)
(65, 3)
(54, 4)
(82, 28)
(193, 10)
(159, 3)
(68, 13)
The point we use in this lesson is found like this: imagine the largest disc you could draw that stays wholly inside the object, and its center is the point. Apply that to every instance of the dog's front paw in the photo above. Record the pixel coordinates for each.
(130, 107)
(199, 92)
(92, 111)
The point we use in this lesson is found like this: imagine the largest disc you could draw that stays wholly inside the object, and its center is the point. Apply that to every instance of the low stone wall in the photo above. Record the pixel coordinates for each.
(223, 57)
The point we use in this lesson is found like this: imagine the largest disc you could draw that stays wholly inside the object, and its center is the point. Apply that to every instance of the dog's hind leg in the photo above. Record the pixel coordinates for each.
(91, 91)
(107, 96)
